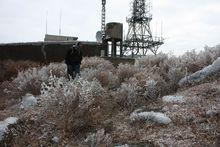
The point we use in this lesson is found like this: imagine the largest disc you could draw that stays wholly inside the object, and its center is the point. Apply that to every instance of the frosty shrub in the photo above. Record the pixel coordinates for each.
(150, 89)
(100, 138)
(9, 68)
(174, 75)
(107, 78)
(151, 60)
(100, 69)
(209, 54)
(128, 93)
(125, 71)
(57, 69)
(31, 79)
(196, 61)
(189, 60)
(68, 100)
(96, 63)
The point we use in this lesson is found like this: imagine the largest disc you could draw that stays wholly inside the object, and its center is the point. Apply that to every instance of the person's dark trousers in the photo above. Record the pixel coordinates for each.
(73, 70)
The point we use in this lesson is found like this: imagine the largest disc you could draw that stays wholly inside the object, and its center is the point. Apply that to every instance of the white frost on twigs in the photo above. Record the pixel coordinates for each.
(150, 116)
(174, 99)
(201, 74)
(4, 125)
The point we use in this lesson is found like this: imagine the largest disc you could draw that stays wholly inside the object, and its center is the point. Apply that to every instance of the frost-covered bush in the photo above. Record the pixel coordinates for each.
(174, 75)
(209, 55)
(189, 60)
(67, 100)
(40, 73)
(30, 80)
(96, 63)
(57, 69)
(100, 138)
(106, 78)
(161, 68)
(128, 93)
(125, 71)
(151, 60)
(150, 89)
(10, 69)
(61, 91)
(193, 61)
(100, 69)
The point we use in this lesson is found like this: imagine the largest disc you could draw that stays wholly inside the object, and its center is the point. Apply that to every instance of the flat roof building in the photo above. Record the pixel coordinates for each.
(59, 38)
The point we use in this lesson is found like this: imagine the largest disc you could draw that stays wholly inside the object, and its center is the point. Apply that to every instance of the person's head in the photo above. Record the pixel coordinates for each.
(77, 45)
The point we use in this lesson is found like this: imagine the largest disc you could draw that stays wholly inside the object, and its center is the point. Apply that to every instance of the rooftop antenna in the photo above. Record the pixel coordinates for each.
(161, 28)
(46, 21)
(103, 18)
(60, 22)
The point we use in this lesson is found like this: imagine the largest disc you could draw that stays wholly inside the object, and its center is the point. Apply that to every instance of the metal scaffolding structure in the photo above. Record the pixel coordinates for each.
(139, 39)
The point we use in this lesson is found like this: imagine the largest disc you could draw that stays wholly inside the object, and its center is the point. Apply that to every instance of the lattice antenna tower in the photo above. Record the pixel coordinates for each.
(103, 18)
(139, 39)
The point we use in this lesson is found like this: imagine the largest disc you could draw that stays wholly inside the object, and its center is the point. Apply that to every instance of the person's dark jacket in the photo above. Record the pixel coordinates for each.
(73, 56)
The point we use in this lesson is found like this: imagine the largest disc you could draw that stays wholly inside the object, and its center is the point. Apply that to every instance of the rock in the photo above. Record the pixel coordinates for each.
(28, 101)
(211, 113)
(4, 125)
(157, 117)
(55, 140)
(174, 99)
(201, 74)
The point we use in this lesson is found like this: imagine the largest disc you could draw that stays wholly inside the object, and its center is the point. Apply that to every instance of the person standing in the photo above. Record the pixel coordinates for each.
(73, 60)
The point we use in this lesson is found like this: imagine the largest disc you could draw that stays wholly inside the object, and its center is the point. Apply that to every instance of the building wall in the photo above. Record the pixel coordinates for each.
(45, 52)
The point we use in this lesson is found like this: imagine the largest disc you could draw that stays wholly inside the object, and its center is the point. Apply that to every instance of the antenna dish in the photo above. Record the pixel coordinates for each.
(99, 37)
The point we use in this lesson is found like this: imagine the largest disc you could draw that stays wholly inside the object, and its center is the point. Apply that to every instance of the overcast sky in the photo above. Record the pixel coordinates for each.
(187, 24)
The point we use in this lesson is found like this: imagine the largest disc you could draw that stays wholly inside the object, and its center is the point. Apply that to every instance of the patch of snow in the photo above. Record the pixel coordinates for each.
(150, 116)
(28, 101)
(201, 74)
(174, 99)
(4, 125)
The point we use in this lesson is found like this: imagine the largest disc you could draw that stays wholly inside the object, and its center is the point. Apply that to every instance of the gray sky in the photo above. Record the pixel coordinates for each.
(187, 24)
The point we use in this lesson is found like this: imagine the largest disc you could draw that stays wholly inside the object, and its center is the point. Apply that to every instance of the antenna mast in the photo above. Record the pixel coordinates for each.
(103, 18)
(60, 22)
(139, 39)
(46, 21)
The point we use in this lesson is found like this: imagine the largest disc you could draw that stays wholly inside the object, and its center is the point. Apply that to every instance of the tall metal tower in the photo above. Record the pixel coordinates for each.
(103, 18)
(139, 39)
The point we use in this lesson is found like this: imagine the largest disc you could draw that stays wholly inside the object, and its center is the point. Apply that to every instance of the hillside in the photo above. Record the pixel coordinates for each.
(160, 100)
